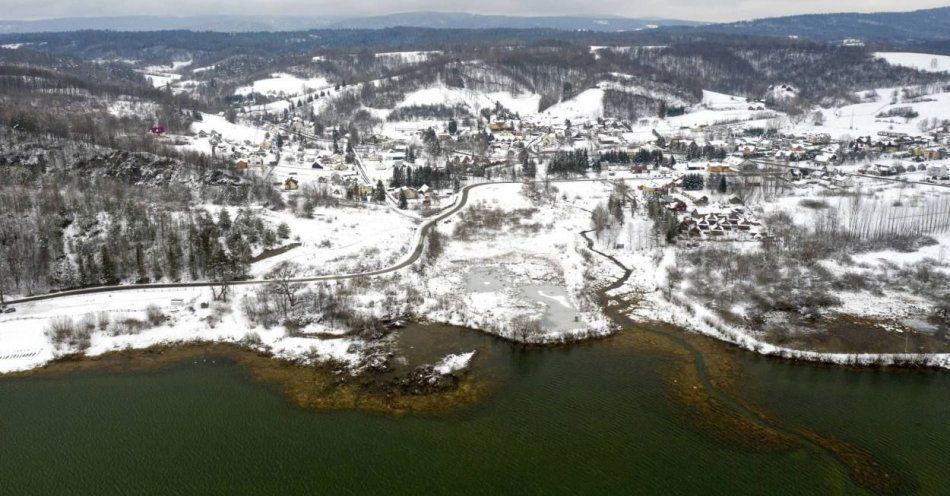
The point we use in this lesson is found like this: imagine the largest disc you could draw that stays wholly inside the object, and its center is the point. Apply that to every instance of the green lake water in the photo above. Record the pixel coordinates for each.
(589, 419)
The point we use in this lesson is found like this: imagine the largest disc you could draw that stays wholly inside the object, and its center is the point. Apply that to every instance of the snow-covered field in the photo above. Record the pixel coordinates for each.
(408, 57)
(722, 101)
(920, 61)
(283, 84)
(863, 118)
(123, 108)
(160, 80)
(232, 131)
(589, 104)
(343, 240)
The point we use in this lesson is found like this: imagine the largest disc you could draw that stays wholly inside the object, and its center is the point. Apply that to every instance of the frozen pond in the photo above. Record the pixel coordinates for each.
(559, 315)
(483, 280)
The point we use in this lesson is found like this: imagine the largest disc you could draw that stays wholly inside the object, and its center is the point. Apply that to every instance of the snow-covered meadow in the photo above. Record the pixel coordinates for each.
(920, 61)
(283, 84)
(524, 279)
(524, 103)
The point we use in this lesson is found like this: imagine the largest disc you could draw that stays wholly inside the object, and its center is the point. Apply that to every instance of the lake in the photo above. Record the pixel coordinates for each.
(594, 418)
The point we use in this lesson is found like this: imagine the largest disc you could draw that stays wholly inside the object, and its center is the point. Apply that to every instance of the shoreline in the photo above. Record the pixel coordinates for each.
(701, 376)
(316, 387)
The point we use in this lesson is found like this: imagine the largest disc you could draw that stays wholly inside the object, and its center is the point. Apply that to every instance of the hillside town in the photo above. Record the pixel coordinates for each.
(422, 165)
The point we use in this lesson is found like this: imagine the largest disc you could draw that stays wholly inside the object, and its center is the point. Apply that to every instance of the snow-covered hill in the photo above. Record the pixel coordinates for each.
(588, 104)
(525, 103)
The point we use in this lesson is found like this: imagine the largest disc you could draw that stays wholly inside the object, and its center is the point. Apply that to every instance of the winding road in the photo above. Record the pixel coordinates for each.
(419, 240)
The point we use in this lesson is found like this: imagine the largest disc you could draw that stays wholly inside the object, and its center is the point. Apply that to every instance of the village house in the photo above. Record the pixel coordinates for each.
(719, 169)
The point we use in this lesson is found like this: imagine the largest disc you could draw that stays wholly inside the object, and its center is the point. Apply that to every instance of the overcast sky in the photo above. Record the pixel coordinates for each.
(700, 10)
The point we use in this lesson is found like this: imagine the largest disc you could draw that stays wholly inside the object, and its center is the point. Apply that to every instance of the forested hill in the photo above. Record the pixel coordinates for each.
(918, 25)
(900, 27)
(248, 23)
(460, 20)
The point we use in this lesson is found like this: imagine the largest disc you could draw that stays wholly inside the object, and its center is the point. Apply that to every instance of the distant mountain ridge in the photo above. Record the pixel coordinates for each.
(222, 23)
(906, 27)
(917, 25)
(234, 23)
(460, 20)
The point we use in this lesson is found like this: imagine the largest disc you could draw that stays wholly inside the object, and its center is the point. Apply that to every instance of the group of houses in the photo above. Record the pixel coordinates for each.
(733, 223)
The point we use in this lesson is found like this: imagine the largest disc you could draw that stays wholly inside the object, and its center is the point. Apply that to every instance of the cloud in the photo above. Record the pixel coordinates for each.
(703, 10)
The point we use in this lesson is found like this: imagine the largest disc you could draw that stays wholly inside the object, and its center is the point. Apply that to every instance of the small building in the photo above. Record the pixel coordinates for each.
(719, 169)
(499, 126)
(291, 184)
(410, 193)
(677, 205)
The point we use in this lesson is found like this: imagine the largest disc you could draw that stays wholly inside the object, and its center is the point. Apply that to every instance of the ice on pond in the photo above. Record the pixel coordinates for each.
(559, 314)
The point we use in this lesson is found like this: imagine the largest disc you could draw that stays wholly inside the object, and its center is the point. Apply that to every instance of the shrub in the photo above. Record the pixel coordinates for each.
(252, 339)
(88, 322)
(154, 315)
(63, 332)
(104, 319)
(814, 204)
(905, 112)
(129, 326)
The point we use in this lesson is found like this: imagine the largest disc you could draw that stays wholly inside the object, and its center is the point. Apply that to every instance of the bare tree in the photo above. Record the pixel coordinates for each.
(526, 329)
(622, 189)
(599, 219)
(283, 285)
(220, 290)
(2, 281)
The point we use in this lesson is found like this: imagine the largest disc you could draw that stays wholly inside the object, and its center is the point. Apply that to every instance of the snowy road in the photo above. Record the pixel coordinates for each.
(419, 241)
(791, 165)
